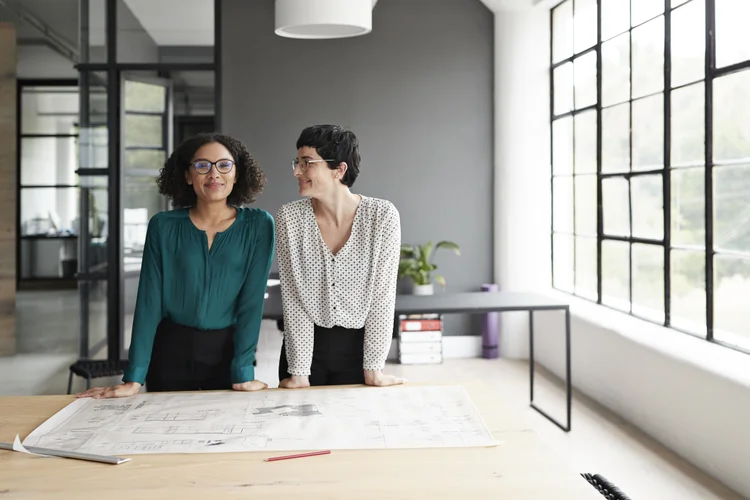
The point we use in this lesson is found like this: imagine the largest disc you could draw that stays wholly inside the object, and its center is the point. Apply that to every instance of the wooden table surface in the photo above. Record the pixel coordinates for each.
(518, 468)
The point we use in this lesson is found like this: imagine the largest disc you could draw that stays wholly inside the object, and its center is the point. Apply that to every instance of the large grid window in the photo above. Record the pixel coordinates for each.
(650, 120)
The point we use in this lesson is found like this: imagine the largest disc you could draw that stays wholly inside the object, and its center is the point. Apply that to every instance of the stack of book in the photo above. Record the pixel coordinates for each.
(420, 339)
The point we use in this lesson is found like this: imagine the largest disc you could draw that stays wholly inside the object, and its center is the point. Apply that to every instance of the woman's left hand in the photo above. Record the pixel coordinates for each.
(379, 379)
(251, 385)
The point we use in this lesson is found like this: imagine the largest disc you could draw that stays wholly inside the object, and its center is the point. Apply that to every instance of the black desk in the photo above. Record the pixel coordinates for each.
(473, 302)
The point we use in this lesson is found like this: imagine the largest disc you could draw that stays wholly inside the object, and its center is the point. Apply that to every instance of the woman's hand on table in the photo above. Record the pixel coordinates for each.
(115, 391)
(379, 379)
(250, 385)
(295, 382)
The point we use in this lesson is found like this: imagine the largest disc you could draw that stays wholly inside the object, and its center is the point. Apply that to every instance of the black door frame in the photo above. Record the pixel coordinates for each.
(114, 274)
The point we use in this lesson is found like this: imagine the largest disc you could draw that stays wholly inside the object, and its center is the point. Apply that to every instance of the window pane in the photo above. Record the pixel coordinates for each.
(585, 209)
(563, 262)
(562, 31)
(731, 290)
(48, 211)
(731, 208)
(563, 76)
(688, 207)
(732, 117)
(643, 10)
(150, 35)
(647, 205)
(562, 197)
(585, 80)
(648, 281)
(677, 3)
(585, 142)
(688, 43)
(143, 130)
(146, 97)
(585, 271)
(732, 35)
(49, 110)
(585, 17)
(48, 161)
(615, 17)
(562, 146)
(616, 206)
(688, 290)
(616, 138)
(616, 70)
(648, 133)
(616, 274)
(648, 57)
(688, 125)
(144, 160)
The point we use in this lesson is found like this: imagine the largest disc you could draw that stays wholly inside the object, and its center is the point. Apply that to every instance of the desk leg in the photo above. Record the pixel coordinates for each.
(568, 381)
(531, 357)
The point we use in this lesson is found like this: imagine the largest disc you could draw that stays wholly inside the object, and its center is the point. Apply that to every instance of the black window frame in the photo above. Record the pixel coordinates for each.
(711, 73)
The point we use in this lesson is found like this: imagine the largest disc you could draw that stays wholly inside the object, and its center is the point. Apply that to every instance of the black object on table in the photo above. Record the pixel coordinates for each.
(95, 368)
(606, 488)
(472, 302)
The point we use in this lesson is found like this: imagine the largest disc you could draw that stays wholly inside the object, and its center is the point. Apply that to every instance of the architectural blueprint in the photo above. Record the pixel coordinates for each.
(330, 418)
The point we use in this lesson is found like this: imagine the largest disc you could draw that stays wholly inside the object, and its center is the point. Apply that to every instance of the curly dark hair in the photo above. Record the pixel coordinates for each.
(171, 180)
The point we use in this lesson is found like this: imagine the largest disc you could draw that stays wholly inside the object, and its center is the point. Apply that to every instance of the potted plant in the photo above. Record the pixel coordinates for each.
(416, 264)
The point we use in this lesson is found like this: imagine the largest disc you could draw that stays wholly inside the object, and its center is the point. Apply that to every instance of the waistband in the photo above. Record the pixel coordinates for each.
(168, 326)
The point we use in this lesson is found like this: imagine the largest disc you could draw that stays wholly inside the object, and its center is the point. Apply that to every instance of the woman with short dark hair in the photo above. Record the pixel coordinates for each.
(203, 275)
(338, 255)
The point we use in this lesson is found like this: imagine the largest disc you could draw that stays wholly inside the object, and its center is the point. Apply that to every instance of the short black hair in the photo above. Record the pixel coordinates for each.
(171, 180)
(334, 143)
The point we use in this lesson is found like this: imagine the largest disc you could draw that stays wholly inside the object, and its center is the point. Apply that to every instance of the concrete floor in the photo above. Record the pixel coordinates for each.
(599, 443)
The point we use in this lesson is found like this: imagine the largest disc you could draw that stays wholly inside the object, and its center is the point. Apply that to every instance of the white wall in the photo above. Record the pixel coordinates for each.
(39, 61)
(522, 160)
(692, 396)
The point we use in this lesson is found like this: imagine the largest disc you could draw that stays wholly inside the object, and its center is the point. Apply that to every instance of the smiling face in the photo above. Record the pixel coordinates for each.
(314, 176)
(210, 184)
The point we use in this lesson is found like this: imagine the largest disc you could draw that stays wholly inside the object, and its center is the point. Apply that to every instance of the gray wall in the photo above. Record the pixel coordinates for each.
(417, 91)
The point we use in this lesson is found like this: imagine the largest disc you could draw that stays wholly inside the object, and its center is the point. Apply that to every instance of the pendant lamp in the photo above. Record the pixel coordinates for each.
(321, 19)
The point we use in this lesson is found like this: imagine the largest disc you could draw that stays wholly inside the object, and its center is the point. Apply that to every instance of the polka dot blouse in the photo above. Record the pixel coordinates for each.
(353, 289)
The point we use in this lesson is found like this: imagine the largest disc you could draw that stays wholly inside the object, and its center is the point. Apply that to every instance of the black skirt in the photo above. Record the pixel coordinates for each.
(188, 359)
(337, 357)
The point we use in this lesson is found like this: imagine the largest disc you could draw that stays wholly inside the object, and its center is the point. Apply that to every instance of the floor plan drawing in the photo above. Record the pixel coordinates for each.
(330, 418)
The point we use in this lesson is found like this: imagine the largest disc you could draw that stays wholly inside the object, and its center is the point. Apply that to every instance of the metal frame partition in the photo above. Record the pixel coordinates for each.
(113, 274)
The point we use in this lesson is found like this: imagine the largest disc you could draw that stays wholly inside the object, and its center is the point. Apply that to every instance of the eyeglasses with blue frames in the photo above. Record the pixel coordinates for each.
(304, 163)
(204, 166)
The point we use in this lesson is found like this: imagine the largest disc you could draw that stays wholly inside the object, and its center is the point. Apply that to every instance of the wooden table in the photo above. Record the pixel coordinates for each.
(519, 468)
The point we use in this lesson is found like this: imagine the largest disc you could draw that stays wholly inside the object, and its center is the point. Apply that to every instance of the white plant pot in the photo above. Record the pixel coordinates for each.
(423, 289)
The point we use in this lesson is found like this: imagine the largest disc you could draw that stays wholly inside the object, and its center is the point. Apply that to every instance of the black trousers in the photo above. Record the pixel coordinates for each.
(189, 359)
(337, 357)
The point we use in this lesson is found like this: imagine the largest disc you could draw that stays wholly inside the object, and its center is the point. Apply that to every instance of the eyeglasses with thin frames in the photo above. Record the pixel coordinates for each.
(204, 166)
(304, 164)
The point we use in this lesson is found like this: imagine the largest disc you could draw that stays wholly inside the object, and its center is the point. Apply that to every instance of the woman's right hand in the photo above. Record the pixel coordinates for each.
(116, 391)
(295, 382)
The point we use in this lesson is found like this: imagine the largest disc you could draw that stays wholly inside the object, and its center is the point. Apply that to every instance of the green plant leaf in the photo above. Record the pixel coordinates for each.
(449, 245)
(407, 251)
(439, 280)
(426, 252)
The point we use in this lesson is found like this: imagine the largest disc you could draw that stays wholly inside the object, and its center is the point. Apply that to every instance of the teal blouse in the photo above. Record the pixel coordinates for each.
(181, 279)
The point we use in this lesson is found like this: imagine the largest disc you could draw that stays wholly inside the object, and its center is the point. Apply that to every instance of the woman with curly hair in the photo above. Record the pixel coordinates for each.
(203, 275)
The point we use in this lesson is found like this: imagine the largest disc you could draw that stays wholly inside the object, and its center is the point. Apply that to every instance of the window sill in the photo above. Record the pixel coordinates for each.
(714, 358)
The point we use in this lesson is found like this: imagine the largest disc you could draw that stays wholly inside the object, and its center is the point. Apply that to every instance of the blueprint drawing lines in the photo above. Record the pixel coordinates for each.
(211, 422)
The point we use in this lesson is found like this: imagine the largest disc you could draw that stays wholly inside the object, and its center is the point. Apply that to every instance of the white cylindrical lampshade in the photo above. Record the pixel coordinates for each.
(317, 19)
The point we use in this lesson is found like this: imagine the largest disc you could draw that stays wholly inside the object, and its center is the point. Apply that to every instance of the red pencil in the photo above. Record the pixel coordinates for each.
(286, 457)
